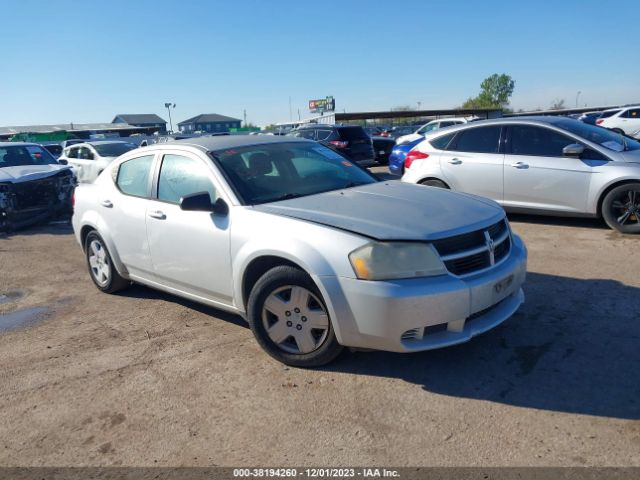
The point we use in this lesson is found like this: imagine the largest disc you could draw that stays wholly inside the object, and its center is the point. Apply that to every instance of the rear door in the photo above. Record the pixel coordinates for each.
(124, 208)
(473, 162)
(538, 176)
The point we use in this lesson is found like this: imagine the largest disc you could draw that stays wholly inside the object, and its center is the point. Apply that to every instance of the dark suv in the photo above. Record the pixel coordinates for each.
(351, 141)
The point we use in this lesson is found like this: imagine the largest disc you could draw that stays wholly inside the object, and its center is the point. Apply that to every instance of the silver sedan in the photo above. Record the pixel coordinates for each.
(309, 247)
(548, 165)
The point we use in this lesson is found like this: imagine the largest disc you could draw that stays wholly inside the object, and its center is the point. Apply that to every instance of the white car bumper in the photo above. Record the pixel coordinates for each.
(426, 313)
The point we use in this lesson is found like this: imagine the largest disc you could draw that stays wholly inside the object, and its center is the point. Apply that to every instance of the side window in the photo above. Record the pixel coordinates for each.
(73, 152)
(181, 176)
(323, 134)
(442, 142)
(477, 140)
(446, 124)
(133, 176)
(634, 113)
(537, 141)
(428, 128)
(307, 133)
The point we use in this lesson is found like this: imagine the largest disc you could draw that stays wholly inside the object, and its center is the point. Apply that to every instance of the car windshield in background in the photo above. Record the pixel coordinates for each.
(113, 149)
(272, 172)
(606, 138)
(15, 156)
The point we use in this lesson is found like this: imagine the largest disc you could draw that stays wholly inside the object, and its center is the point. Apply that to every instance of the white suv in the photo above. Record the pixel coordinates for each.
(621, 120)
(432, 126)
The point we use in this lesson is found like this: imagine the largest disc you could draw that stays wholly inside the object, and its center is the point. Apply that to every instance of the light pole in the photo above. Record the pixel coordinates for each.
(169, 106)
(577, 95)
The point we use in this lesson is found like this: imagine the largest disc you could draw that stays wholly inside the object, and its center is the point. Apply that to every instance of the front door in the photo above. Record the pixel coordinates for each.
(189, 250)
(538, 176)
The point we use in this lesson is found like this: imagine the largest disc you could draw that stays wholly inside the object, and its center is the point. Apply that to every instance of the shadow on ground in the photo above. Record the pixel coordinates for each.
(561, 221)
(573, 347)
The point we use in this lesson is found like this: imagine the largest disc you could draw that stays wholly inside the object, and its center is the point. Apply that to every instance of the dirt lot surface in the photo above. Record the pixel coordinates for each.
(145, 378)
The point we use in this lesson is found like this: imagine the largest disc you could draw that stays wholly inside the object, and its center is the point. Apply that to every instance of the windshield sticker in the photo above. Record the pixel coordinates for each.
(615, 146)
(328, 153)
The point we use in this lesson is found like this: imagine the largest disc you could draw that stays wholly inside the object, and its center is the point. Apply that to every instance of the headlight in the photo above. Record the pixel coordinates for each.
(393, 260)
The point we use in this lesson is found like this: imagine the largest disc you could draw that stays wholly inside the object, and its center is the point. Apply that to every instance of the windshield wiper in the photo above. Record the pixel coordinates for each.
(286, 196)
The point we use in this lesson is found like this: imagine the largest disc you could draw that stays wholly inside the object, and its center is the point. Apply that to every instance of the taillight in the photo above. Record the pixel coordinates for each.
(414, 155)
(599, 121)
(339, 143)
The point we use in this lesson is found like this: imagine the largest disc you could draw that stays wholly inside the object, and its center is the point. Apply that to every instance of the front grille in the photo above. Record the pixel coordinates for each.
(474, 251)
(37, 193)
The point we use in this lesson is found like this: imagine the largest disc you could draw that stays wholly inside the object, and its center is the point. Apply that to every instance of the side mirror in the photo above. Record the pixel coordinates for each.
(201, 202)
(575, 150)
(63, 162)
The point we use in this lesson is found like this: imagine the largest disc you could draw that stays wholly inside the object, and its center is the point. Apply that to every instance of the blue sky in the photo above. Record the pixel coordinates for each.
(85, 61)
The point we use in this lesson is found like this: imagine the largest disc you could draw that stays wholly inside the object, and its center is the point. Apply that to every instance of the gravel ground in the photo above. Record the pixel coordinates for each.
(145, 378)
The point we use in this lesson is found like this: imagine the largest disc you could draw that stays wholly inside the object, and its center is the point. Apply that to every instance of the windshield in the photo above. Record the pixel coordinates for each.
(272, 172)
(603, 137)
(14, 156)
(112, 149)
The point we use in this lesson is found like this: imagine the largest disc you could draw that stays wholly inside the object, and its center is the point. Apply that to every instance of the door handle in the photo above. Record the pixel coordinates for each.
(106, 203)
(520, 165)
(157, 214)
(455, 161)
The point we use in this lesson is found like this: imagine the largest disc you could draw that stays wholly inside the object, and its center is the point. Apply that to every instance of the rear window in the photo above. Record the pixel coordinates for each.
(352, 133)
(609, 114)
(16, 156)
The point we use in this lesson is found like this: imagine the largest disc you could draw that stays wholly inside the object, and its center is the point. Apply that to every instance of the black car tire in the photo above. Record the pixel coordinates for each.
(432, 182)
(283, 277)
(621, 208)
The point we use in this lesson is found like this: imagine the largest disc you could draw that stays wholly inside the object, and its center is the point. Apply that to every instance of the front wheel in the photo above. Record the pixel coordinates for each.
(621, 208)
(290, 320)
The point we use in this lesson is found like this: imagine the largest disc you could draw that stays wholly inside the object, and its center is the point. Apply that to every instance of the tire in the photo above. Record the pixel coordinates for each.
(432, 182)
(276, 312)
(621, 208)
(101, 268)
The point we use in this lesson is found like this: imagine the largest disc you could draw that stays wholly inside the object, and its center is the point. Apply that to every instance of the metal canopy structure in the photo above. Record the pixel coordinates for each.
(457, 112)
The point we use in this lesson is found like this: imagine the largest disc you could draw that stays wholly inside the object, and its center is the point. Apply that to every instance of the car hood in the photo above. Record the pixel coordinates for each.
(392, 210)
(27, 173)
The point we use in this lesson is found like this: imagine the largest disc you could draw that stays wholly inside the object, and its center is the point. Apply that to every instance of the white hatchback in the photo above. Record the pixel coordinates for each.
(622, 120)
(432, 126)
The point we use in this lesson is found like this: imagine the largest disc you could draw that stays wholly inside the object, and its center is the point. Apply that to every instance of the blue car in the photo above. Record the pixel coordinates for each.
(396, 159)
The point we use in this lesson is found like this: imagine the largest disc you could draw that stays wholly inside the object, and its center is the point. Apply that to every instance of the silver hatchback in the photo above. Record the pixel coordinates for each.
(309, 247)
(548, 165)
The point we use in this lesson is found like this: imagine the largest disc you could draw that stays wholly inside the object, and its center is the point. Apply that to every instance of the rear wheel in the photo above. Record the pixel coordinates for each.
(621, 208)
(101, 268)
(432, 182)
(289, 319)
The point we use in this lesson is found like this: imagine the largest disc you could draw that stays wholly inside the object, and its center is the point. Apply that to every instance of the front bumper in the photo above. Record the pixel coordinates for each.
(426, 313)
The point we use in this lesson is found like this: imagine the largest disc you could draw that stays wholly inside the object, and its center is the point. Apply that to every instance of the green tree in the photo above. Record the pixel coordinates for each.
(495, 92)
(558, 104)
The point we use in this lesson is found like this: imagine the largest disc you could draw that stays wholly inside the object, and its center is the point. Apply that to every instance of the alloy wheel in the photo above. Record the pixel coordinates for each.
(99, 263)
(626, 207)
(295, 319)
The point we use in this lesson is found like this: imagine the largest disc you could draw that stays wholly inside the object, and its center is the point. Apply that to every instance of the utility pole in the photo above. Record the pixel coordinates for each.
(577, 95)
(245, 118)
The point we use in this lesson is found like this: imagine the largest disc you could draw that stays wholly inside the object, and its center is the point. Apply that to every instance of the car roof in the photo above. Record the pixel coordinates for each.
(229, 141)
